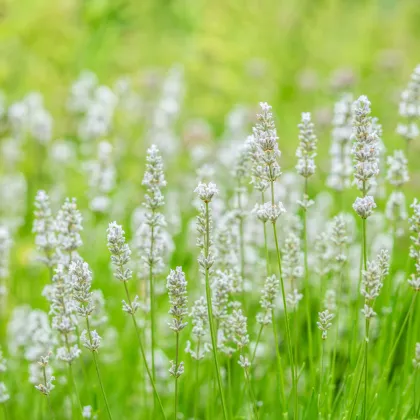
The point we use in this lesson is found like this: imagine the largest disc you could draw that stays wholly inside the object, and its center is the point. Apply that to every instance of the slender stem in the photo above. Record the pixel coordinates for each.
(176, 375)
(95, 359)
(143, 354)
(321, 376)
(279, 365)
(210, 313)
(366, 324)
(197, 385)
(307, 287)
(256, 343)
(385, 370)
(48, 396)
(251, 394)
(241, 241)
(286, 315)
(152, 299)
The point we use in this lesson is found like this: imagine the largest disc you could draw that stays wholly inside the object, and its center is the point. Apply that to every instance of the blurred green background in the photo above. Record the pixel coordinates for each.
(232, 51)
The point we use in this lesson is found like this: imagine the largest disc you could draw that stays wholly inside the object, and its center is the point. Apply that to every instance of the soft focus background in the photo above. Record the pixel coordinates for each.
(187, 75)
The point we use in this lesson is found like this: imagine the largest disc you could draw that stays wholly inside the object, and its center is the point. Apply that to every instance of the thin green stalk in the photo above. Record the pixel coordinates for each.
(279, 365)
(256, 343)
(241, 241)
(48, 396)
(385, 370)
(321, 375)
(229, 378)
(98, 372)
(176, 376)
(307, 287)
(210, 313)
(143, 354)
(197, 386)
(251, 394)
(366, 324)
(152, 300)
(286, 315)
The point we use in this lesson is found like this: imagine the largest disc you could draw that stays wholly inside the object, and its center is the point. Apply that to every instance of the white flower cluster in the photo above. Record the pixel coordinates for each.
(364, 206)
(292, 269)
(5, 246)
(397, 176)
(4, 394)
(365, 146)
(416, 360)
(46, 387)
(264, 150)
(69, 226)
(324, 323)
(372, 281)
(30, 117)
(44, 228)
(267, 301)
(340, 151)
(409, 108)
(152, 246)
(269, 212)
(199, 320)
(101, 176)
(178, 299)
(306, 151)
(414, 222)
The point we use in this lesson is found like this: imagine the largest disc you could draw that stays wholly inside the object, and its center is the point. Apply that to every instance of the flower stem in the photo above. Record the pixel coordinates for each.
(95, 359)
(152, 299)
(176, 375)
(307, 287)
(197, 386)
(210, 313)
(366, 324)
(143, 354)
(286, 315)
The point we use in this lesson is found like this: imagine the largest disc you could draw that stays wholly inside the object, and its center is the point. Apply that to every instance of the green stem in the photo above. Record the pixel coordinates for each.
(152, 299)
(143, 354)
(256, 343)
(210, 313)
(366, 325)
(176, 375)
(48, 396)
(97, 371)
(286, 315)
(197, 385)
(321, 377)
(307, 287)
(279, 365)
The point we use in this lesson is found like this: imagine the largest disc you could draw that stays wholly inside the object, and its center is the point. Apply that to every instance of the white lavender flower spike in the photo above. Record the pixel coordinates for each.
(306, 151)
(364, 206)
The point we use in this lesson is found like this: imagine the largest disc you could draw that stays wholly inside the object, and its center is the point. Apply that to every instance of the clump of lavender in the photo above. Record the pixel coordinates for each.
(199, 320)
(306, 153)
(44, 228)
(120, 258)
(416, 360)
(292, 269)
(267, 301)
(324, 323)
(81, 277)
(177, 291)
(63, 315)
(47, 386)
(414, 222)
(397, 176)
(205, 193)
(69, 226)
(409, 108)
(340, 151)
(365, 153)
(5, 246)
(153, 180)
(101, 178)
(266, 170)
(4, 394)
